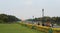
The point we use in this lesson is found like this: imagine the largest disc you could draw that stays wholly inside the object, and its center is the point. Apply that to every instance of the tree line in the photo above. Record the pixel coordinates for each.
(46, 18)
(4, 18)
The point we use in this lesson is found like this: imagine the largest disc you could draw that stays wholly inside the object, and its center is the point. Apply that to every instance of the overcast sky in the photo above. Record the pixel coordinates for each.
(25, 9)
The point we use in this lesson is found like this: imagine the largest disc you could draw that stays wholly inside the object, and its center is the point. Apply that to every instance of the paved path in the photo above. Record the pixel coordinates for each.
(56, 26)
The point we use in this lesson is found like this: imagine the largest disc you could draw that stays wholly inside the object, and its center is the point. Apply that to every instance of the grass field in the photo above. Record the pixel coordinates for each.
(16, 28)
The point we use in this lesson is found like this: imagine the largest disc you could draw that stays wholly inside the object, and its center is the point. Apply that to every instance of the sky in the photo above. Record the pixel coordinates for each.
(25, 9)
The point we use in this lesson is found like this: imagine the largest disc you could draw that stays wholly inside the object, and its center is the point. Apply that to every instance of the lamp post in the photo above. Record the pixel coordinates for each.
(33, 19)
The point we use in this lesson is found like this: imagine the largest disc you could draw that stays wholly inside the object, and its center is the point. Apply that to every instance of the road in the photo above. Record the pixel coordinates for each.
(56, 26)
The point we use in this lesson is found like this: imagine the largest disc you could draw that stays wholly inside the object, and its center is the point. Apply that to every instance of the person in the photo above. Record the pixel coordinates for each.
(38, 23)
(48, 23)
(43, 24)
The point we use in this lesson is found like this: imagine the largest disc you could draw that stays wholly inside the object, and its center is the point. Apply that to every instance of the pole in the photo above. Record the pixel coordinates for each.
(33, 20)
(42, 12)
(43, 15)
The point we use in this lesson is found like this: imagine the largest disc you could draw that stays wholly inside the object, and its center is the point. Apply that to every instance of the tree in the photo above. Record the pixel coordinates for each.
(8, 18)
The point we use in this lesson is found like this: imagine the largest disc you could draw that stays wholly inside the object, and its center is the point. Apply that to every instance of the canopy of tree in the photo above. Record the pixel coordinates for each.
(8, 18)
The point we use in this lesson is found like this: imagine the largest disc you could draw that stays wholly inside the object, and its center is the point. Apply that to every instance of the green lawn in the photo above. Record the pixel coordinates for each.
(16, 28)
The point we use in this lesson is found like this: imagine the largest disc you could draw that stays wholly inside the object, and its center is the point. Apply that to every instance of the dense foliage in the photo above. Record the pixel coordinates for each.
(46, 18)
(8, 18)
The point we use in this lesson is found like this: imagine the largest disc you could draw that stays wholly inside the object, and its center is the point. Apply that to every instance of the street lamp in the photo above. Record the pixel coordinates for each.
(33, 19)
